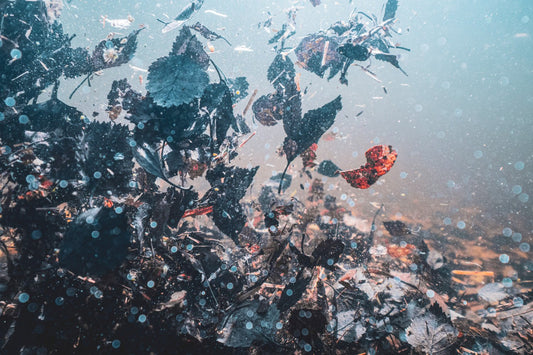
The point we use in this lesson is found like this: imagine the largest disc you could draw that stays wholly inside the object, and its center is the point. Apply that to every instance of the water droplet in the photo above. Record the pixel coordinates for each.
(523, 197)
(119, 210)
(97, 175)
(118, 156)
(507, 232)
(403, 175)
(150, 284)
(355, 154)
(517, 237)
(418, 108)
(189, 247)
(517, 189)
(253, 278)
(115, 344)
(24, 297)
(279, 325)
(10, 101)
(504, 258)
(142, 318)
(202, 302)
(518, 302)
(2, 116)
(461, 225)
(229, 286)
(132, 143)
(450, 184)
(305, 331)
(89, 219)
(344, 197)
(250, 313)
(524, 19)
(524, 247)
(23, 119)
(504, 81)
(63, 184)
(233, 268)
(273, 229)
(140, 125)
(95, 234)
(153, 224)
(403, 244)
(59, 301)
(308, 347)
(330, 262)
(430, 293)
(478, 154)
(289, 292)
(16, 53)
(413, 267)
(519, 165)
(507, 282)
(134, 310)
(447, 221)
(36, 234)
(33, 307)
(174, 249)
(353, 245)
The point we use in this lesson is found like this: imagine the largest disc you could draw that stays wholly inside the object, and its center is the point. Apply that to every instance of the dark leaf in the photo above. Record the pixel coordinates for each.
(284, 180)
(96, 242)
(396, 228)
(328, 168)
(393, 59)
(310, 52)
(239, 88)
(390, 9)
(327, 253)
(114, 52)
(186, 44)
(175, 80)
(207, 33)
(355, 52)
(266, 111)
(216, 102)
(293, 292)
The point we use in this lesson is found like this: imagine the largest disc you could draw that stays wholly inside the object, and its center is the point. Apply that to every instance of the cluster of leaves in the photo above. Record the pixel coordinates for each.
(342, 44)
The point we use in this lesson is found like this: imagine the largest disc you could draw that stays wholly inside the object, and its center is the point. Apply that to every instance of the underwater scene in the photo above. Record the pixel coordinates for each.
(252, 176)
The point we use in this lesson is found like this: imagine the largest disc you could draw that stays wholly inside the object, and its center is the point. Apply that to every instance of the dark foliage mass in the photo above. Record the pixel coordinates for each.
(107, 246)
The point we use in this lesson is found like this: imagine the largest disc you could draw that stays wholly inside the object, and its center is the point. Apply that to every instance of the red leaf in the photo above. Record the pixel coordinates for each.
(380, 160)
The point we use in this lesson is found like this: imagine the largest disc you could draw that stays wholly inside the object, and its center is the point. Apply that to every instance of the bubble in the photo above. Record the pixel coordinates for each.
(519, 165)
(71, 291)
(93, 289)
(150, 284)
(115, 344)
(34, 185)
(478, 154)
(23, 119)
(233, 268)
(10, 101)
(142, 318)
(279, 325)
(523, 197)
(504, 81)
(450, 184)
(230, 286)
(174, 249)
(59, 301)
(308, 347)
(153, 224)
(2, 116)
(97, 175)
(389, 328)
(273, 229)
(202, 302)
(33, 307)
(132, 184)
(134, 310)
(118, 210)
(189, 247)
(63, 184)
(223, 266)
(524, 19)
(441, 135)
(507, 282)
(442, 41)
(98, 294)
(140, 125)
(376, 140)
(518, 302)
(403, 244)
(504, 258)
(267, 146)
(353, 245)
(517, 237)
(351, 202)
(524, 247)
(170, 139)
(250, 313)
(413, 267)
(253, 278)
(418, 108)
(461, 225)
(447, 221)
(430, 293)
(24, 297)
(16, 53)
(344, 197)
(89, 219)
(289, 292)
(445, 85)
(507, 232)
(355, 154)
(132, 143)
(517, 189)
(458, 112)
(330, 262)
(403, 175)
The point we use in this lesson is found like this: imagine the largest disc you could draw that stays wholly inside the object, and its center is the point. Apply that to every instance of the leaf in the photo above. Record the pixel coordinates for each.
(390, 9)
(380, 160)
(266, 111)
(239, 88)
(397, 228)
(84, 254)
(355, 52)
(492, 293)
(328, 168)
(216, 102)
(284, 180)
(327, 253)
(303, 132)
(228, 187)
(188, 45)
(429, 335)
(310, 52)
(175, 80)
(393, 59)
(207, 33)
(114, 52)
(149, 160)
